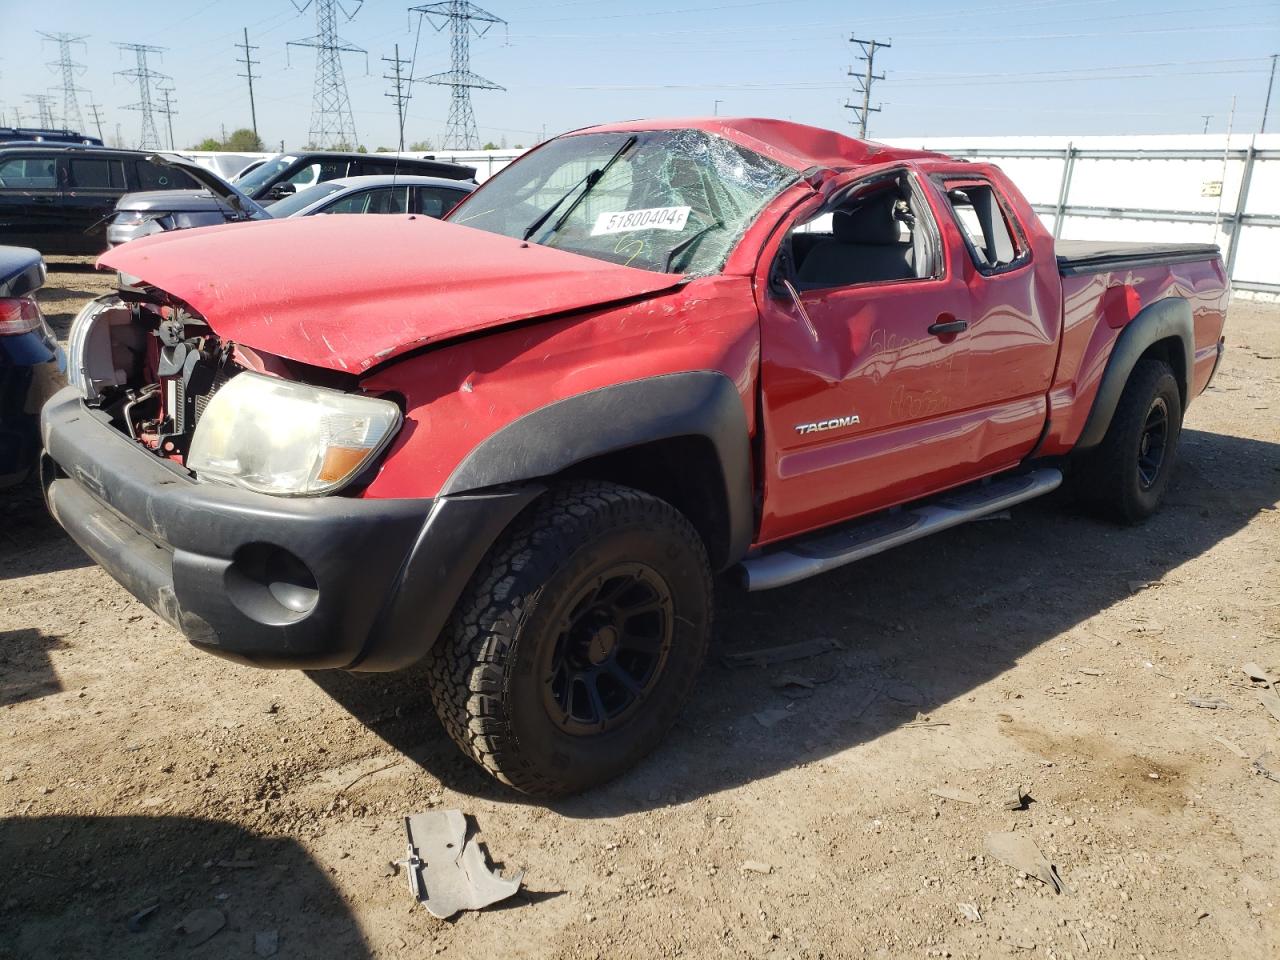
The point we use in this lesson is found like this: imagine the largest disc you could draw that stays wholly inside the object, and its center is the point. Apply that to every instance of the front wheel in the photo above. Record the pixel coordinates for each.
(1126, 476)
(577, 642)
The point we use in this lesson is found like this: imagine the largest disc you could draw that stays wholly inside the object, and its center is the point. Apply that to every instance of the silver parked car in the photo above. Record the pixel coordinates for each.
(142, 214)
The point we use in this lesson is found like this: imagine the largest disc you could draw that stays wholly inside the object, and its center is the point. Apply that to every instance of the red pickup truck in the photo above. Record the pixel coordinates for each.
(520, 442)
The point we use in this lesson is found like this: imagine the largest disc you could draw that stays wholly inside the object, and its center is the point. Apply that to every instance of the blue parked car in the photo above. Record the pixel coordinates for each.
(32, 365)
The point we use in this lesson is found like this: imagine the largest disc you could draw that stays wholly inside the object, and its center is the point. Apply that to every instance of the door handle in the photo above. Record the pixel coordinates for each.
(43, 199)
(944, 327)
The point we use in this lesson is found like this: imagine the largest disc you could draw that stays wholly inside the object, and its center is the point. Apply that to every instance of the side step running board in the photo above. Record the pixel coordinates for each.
(828, 549)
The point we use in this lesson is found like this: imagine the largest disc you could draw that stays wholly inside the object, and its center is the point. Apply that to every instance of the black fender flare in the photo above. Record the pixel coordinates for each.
(1162, 320)
(546, 441)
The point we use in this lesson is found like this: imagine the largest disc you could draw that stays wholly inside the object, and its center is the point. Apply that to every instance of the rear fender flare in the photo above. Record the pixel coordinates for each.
(1162, 320)
(549, 440)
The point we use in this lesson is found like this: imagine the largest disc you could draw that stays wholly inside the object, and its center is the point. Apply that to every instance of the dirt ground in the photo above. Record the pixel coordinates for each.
(1048, 650)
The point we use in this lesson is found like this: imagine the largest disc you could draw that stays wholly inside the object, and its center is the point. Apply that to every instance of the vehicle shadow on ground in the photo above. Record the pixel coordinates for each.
(920, 626)
(72, 884)
(31, 542)
(28, 669)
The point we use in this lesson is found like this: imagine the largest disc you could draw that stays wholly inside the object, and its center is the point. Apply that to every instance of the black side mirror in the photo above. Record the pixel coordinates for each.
(282, 190)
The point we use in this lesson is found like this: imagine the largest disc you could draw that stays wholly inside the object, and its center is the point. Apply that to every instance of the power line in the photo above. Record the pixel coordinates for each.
(400, 89)
(97, 120)
(72, 119)
(332, 124)
(463, 18)
(249, 64)
(1266, 107)
(864, 80)
(144, 77)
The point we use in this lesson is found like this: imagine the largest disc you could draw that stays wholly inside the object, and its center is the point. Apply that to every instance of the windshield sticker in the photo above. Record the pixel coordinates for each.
(655, 218)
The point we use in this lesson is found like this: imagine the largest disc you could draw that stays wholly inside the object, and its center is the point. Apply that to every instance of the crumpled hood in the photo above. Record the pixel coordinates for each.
(171, 201)
(349, 292)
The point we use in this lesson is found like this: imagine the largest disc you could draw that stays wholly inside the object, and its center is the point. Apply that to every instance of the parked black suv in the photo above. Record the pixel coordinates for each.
(139, 214)
(58, 197)
(46, 135)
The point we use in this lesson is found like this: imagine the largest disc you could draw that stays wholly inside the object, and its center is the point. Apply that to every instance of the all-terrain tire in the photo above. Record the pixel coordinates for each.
(498, 672)
(1120, 478)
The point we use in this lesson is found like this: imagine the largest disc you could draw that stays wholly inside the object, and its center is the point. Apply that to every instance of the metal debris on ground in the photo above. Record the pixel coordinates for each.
(1267, 766)
(769, 656)
(772, 717)
(755, 866)
(448, 871)
(1209, 703)
(1090, 672)
(953, 793)
(199, 925)
(1017, 799)
(1271, 701)
(1021, 853)
(970, 911)
(1256, 673)
(138, 918)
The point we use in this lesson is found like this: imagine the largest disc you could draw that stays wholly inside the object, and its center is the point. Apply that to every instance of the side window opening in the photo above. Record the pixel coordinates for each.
(992, 243)
(95, 174)
(875, 234)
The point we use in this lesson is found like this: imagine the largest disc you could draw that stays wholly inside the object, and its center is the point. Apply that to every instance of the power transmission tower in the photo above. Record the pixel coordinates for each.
(1206, 117)
(463, 18)
(864, 80)
(167, 109)
(72, 119)
(97, 120)
(249, 64)
(400, 84)
(332, 125)
(144, 77)
(44, 109)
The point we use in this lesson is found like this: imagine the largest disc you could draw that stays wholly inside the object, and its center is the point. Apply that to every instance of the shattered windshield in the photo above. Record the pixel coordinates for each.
(673, 201)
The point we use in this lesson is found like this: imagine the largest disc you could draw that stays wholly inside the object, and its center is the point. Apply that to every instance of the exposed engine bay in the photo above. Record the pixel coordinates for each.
(151, 367)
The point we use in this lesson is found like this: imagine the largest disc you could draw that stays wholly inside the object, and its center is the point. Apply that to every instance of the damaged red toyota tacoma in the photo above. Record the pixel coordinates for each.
(520, 442)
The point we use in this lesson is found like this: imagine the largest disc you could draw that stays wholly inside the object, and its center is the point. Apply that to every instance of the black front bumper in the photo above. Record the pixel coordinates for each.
(310, 582)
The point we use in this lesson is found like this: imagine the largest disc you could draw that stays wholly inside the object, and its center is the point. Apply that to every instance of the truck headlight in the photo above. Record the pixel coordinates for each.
(289, 439)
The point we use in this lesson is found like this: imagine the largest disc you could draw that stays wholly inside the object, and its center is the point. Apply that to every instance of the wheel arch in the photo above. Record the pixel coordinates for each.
(1164, 329)
(682, 437)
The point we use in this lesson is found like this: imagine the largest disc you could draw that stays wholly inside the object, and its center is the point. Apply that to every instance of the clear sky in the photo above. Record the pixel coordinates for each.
(1036, 67)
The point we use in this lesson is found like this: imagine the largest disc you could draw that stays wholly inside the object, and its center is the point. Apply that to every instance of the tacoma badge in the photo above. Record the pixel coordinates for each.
(835, 423)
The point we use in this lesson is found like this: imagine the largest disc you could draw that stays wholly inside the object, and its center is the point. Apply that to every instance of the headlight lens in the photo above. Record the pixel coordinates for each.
(289, 439)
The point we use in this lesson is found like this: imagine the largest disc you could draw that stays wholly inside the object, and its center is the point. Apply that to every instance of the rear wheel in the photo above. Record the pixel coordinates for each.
(578, 641)
(1126, 476)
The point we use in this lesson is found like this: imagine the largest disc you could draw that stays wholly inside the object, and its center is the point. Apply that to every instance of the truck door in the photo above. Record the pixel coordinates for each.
(1014, 315)
(865, 355)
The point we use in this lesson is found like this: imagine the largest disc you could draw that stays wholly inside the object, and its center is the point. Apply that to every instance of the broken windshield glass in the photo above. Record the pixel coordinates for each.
(675, 201)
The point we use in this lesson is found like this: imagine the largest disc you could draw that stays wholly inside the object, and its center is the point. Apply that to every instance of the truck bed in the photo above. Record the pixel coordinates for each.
(1095, 256)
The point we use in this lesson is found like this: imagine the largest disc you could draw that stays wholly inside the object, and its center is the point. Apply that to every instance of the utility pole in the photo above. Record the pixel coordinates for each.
(97, 120)
(144, 77)
(401, 89)
(167, 109)
(249, 64)
(71, 116)
(463, 18)
(1266, 107)
(44, 109)
(715, 107)
(332, 124)
(1207, 117)
(864, 80)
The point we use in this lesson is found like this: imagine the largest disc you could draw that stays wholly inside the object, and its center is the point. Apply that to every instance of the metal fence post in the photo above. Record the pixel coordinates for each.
(1242, 203)
(1064, 189)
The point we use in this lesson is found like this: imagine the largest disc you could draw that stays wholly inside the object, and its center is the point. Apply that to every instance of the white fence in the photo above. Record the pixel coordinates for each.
(1194, 189)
